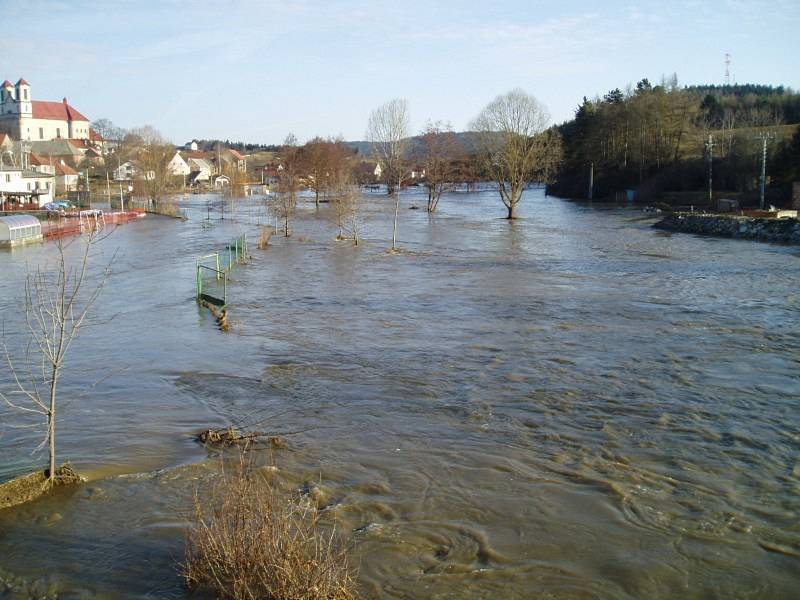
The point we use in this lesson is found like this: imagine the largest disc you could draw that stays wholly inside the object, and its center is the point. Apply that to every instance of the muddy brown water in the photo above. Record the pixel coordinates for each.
(572, 405)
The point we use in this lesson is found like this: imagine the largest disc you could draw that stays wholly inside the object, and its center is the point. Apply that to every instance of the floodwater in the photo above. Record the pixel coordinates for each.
(572, 405)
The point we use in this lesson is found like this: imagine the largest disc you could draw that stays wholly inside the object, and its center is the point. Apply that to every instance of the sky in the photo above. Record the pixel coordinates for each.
(257, 70)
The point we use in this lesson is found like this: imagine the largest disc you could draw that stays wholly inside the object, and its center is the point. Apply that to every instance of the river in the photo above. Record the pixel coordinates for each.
(571, 405)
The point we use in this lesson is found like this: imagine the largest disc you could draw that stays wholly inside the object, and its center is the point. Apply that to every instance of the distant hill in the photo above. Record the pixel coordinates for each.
(467, 140)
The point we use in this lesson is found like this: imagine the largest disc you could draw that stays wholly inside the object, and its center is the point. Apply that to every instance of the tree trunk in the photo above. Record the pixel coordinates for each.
(51, 418)
(316, 197)
(396, 210)
(512, 210)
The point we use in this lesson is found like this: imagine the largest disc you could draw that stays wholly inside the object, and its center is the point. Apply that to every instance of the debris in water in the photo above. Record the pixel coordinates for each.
(217, 438)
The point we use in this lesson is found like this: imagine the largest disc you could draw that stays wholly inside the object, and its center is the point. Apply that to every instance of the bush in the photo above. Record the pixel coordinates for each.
(250, 541)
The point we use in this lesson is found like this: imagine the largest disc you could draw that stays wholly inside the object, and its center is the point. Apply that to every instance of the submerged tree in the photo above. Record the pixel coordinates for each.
(57, 303)
(516, 145)
(388, 131)
(346, 207)
(285, 201)
(441, 155)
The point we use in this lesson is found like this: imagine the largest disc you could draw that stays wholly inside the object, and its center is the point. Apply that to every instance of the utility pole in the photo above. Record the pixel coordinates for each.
(710, 148)
(764, 137)
(591, 180)
(88, 191)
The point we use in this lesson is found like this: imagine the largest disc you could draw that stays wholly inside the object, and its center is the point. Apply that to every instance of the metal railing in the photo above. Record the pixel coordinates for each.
(212, 281)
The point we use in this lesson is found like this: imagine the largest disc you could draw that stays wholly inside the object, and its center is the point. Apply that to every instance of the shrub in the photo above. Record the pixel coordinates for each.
(251, 541)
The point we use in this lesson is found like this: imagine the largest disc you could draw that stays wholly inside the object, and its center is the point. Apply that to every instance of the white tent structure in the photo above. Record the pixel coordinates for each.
(19, 229)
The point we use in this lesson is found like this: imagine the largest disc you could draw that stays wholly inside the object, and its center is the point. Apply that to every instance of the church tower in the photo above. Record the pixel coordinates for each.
(24, 99)
(6, 97)
(9, 122)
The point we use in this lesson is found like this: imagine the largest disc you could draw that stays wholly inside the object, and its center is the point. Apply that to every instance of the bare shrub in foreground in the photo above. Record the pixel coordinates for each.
(250, 541)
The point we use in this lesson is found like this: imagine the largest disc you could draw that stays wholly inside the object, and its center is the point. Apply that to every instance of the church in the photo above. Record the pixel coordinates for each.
(24, 118)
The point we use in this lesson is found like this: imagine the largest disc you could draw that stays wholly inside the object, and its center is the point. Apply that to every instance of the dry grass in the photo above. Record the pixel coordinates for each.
(250, 541)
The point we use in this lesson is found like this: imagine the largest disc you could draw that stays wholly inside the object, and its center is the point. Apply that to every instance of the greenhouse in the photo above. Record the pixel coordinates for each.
(19, 229)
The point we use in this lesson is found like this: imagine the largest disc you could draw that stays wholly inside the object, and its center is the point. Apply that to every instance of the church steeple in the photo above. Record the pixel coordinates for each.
(24, 98)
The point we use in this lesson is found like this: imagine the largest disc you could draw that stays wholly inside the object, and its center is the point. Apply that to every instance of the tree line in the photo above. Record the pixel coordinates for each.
(661, 138)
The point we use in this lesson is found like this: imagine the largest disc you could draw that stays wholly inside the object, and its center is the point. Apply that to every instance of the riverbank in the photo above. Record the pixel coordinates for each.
(733, 226)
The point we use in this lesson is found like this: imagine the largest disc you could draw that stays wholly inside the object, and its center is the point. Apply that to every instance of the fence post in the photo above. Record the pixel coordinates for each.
(217, 257)
(199, 283)
(225, 290)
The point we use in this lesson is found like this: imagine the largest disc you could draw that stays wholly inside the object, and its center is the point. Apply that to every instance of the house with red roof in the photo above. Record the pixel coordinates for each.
(24, 118)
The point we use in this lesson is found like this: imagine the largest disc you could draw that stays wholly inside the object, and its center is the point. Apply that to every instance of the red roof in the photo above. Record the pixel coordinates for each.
(37, 160)
(60, 111)
(196, 154)
(22, 82)
(94, 136)
(236, 154)
(7, 83)
(64, 169)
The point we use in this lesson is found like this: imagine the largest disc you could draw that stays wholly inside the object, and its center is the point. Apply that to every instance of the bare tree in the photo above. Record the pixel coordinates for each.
(56, 307)
(152, 153)
(285, 200)
(441, 153)
(517, 146)
(346, 207)
(388, 131)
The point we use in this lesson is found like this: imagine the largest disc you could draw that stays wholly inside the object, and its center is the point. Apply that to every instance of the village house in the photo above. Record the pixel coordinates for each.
(22, 185)
(24, 118)
(233, 159)
(178, 166)
(200, 171)
(66, 178)
(126, 171)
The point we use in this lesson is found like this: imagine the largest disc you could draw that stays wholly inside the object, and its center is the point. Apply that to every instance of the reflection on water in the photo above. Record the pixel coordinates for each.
(571, 405)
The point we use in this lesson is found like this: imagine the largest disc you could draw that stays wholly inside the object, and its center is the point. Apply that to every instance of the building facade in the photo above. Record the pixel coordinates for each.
(24, 118)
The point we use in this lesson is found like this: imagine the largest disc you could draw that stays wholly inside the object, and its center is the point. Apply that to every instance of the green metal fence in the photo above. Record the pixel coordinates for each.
(213, 269)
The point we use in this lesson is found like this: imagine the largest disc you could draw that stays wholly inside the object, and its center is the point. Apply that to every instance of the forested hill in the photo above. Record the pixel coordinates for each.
(654, 139)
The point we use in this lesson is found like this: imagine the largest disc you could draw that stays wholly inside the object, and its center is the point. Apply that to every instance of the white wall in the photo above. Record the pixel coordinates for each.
(13, 181)
(52, 129)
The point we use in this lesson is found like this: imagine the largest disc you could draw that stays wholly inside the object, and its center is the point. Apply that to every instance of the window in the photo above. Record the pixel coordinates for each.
(41, 133)
(26, 94)
(8, 178)
(58, 132)
(29, 186)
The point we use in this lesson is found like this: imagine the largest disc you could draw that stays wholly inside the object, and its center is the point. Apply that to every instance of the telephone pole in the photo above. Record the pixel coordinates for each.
(710, 148)
(764, 137)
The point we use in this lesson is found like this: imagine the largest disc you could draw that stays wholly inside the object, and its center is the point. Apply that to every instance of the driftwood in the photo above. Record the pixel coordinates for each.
(220, 438)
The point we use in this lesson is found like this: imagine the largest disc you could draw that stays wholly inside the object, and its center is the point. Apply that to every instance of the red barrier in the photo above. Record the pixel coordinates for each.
(71, 224)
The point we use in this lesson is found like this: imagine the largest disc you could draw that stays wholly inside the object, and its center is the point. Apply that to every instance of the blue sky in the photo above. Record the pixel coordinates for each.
(254, 71)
